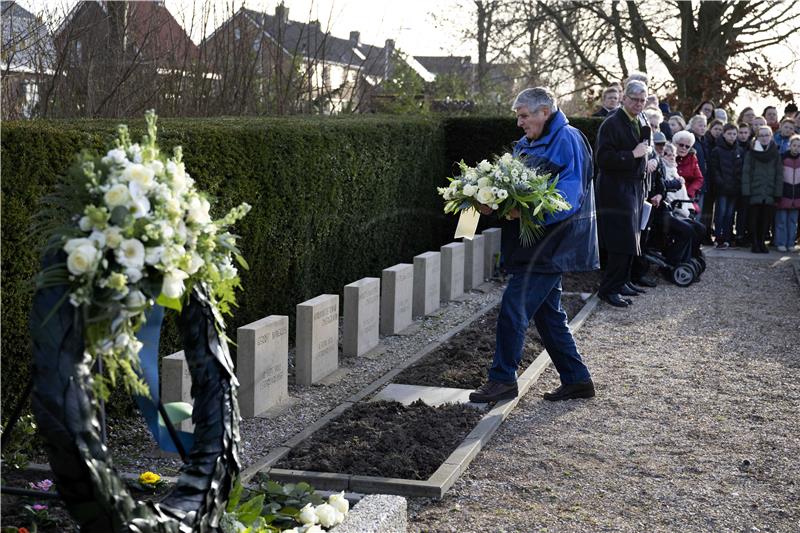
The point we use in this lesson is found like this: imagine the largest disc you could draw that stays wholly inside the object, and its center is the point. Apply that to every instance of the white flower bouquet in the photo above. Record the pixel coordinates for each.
(505, 185)
(138, 233)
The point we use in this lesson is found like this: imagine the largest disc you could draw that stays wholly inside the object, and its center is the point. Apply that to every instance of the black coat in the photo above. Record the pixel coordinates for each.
(725, 168)
(620, 184)
(602, 112)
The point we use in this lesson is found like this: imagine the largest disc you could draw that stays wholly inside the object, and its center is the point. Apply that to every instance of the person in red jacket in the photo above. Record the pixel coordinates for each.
(688, 168)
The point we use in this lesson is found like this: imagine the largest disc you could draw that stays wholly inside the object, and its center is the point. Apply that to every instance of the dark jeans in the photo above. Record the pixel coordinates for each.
(723, 218)
(538, 297)
(760, 219)
(617, 273)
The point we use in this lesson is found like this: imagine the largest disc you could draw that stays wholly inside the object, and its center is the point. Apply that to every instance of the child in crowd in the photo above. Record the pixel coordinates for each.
(676, 124)
(725, 171)
(789, 201)
(762, 182)
(771, 116)
(745, 136)
(784, 133)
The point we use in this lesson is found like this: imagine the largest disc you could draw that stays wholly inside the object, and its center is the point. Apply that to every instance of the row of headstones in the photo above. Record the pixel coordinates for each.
(372, 306)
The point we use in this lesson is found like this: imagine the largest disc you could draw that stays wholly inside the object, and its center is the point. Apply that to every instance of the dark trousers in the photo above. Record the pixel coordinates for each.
(761, 216)
(742, 222)
(537, 297)
(617, 274)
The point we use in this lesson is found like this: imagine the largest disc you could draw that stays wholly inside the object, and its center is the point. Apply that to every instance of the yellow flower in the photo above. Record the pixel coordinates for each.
(149, 478)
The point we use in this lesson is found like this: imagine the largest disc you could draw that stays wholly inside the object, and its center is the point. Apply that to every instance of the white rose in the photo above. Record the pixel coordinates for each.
(83, 259)
(470, 190)
(485, 195)
(74, 244)
(307, 515)
(98, 238)
(85, 223)
(339, 502)
(153, 254)
(116, 196)
(327, 515)
(484, 182)
(198, 211)
(130, 253)
(485, 166)
(140, 174)
(134, 274)
(173, 283)
(113, 236)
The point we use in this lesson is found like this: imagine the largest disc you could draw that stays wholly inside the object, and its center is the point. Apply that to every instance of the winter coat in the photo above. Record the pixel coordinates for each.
(569, 239)
(782, 142)
(689, 170)
(790, 195)
(620, 184)
(670, 177)
(702, 152)
(762, 175)
(602, 113)
(725, 168)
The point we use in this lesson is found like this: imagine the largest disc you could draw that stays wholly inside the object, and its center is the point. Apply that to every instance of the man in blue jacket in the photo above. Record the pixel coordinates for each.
(568, 244)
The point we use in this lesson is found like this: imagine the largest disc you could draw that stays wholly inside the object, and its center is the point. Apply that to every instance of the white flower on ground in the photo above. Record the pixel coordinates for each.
(484, 166)
(470, 190)
(339, 502)
(327, 515)
(308, 515)
(116, 196)
(173, 285)
(485, 196)
(130, 253)
(198, 211)
(113, 235)
(83, 258)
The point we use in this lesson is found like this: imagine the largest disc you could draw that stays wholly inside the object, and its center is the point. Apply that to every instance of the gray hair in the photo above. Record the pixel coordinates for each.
(534, 98)
(721, 114)
(651, 112)
(684, 135)
(637, 75)
(635, 87)
(697, 118)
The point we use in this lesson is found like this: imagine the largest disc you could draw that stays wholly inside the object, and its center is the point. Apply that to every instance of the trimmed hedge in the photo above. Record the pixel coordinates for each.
(334, 200)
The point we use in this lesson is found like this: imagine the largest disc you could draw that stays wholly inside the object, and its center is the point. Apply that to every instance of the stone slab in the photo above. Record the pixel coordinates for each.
(376, 513)
(491, 250)
(317, 339)
(176, 384)
(397, 289)
(474, 257)
(452, 272)
(433, 396)
(427, 283)
(362, 305)
(262, 364)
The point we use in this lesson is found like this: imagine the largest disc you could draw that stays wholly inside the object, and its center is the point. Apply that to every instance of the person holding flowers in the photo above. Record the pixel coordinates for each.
(567, 242)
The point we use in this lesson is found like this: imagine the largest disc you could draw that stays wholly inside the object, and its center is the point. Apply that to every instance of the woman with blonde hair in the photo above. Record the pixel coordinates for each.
(762, 183)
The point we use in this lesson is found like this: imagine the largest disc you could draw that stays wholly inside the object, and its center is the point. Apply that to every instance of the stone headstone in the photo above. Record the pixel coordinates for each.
(176, 384)
(397, 289)
(491, 250)
(452, 270)
(262, 364)
(317, 339)
(427, 283)
(473, 262)
(362, 305)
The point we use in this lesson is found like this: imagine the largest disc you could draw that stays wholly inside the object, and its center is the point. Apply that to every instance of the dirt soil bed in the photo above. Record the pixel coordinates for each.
(462, 361)
(581, 281)
(385, 439)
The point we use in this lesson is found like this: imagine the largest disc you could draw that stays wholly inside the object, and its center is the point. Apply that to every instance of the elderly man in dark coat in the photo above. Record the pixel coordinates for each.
(623, 144)
(568, 244)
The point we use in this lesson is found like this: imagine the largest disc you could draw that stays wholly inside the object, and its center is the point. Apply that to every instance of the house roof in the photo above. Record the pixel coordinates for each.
(445, 64)
(27, 45)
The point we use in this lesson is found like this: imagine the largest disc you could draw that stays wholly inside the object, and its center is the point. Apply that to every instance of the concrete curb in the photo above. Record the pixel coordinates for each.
(447, 474)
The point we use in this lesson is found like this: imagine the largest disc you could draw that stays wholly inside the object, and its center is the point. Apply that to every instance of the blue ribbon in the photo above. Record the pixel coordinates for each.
(149, 335)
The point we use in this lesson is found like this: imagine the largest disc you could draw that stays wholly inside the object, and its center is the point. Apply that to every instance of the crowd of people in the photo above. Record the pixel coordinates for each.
(706, 181)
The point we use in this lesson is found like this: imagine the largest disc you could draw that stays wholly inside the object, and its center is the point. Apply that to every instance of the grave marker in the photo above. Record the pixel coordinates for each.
(262, 364)
(491, 250)
(397, 289)
(473, 262)
(176, 384)
(427, 283)
(452, 271)
(362, 303)
(317, 339)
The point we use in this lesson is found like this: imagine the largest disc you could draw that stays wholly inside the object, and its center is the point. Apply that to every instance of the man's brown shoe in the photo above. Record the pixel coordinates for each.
(571, 392)
(494, 391)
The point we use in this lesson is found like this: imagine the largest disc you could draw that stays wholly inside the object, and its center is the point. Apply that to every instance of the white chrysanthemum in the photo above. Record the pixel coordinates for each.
(130, 253)
(117, 195)
(83, 258)
(141, 174)
(173, 286)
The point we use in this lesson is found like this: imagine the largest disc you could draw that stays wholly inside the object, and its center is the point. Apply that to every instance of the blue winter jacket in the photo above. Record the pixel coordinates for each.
(569, 241)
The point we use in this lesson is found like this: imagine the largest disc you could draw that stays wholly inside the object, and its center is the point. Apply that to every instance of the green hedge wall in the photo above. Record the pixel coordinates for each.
(333, 199)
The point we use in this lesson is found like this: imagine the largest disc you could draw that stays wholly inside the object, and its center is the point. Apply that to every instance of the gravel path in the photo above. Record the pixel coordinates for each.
(696, 426)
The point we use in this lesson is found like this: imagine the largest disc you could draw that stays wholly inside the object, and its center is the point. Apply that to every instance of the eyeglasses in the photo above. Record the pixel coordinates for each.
(637, 100)
(683, 145)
